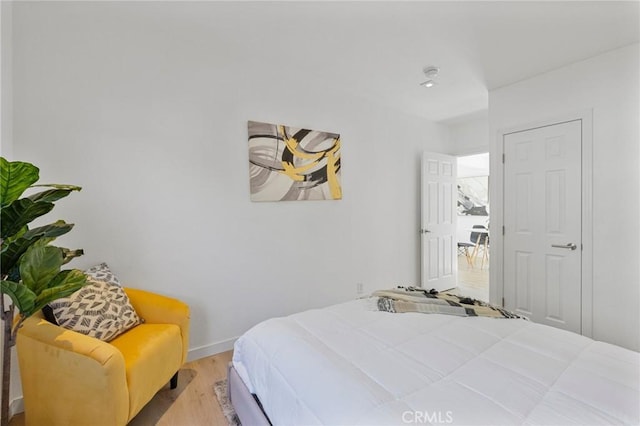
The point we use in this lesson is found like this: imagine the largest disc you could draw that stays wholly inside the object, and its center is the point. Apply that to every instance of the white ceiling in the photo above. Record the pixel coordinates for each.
(376, 50)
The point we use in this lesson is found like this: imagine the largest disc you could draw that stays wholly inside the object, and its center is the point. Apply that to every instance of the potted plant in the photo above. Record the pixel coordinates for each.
(31, 266)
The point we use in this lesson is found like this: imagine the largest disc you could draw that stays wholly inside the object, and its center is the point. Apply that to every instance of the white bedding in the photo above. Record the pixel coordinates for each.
(349, 364)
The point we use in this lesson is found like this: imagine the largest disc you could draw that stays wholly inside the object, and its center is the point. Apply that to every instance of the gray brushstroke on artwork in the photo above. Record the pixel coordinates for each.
(258, 128)
(295, 193)
(266, 156)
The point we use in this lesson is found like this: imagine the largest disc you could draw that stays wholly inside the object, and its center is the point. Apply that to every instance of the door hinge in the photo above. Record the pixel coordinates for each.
(503, 230)
(503, 156)
(503, 302)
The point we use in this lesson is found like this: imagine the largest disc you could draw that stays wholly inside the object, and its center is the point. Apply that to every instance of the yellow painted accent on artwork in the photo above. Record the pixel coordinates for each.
(295, 172)
(332, 178)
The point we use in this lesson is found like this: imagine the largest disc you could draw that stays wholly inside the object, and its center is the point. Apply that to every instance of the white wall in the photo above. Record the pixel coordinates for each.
(152, 122)
(6, 89)
(469, 134)
(609, 85)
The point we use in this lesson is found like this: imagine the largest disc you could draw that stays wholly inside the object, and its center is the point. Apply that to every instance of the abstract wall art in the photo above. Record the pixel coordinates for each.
(289, 163)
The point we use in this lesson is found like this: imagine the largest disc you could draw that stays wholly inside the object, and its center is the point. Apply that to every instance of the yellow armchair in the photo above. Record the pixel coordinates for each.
(72, 379)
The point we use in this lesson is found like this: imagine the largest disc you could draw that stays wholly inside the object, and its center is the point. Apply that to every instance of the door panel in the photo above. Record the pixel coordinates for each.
(556, 194)
(542, 219)
(439, 243)
(523, 202)
(523, 282)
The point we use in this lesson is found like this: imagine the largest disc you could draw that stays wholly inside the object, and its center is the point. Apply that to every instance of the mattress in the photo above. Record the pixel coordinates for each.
(350, 364)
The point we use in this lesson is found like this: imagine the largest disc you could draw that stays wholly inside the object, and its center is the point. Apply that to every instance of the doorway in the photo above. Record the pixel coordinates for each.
(473, 217)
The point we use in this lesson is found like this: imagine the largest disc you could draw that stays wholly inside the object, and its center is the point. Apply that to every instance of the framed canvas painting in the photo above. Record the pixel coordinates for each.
(290, 164)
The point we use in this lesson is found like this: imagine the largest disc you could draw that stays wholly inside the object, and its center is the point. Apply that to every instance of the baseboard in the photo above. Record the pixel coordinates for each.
(210, 349)
(16, 406)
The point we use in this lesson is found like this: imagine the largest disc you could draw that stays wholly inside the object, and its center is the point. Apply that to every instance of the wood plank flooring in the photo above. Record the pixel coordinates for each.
(473, 282)
(192, 403)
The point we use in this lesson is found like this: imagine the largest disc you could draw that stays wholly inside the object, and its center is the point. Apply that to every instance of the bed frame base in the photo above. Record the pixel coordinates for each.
(247, 408)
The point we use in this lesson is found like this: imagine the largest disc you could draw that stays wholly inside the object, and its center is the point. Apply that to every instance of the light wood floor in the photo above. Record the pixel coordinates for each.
(192, 403)
(473, 282)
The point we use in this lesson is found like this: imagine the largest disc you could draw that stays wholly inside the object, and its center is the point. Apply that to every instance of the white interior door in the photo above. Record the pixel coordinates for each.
(542, 219)
(439, 244)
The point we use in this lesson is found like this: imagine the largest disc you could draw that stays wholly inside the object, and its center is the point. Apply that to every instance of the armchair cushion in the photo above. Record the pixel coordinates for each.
(99, 309)
(146, 370)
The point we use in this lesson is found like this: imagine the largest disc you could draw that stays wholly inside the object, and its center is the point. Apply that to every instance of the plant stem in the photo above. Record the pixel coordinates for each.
(8, 342)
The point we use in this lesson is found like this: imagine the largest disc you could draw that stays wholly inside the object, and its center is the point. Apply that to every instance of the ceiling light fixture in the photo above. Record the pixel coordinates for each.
(431, 73)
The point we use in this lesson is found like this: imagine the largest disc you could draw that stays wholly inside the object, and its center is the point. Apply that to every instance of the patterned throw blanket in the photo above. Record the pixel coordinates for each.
(411, 299)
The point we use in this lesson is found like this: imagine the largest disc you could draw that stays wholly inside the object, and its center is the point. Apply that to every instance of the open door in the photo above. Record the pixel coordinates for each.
(438, 231)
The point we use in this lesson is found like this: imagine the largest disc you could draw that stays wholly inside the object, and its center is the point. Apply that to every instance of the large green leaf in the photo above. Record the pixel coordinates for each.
(68, 276)
(22, 297)
(12, 250)
(53, 195)
(55, 229)
(15, 236)
(39, 265)
(20, 213)
(64, 284)
(15, 178)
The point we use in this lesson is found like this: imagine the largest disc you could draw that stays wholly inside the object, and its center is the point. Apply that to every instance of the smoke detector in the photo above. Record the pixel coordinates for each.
(431, 72)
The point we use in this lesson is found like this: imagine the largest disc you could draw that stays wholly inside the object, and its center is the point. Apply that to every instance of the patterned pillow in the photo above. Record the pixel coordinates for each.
(100, 272)
(99, 309)
(103, 273)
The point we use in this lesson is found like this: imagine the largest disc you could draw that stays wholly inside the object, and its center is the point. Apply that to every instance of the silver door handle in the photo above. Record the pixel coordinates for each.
(424, 231)
(569, 246)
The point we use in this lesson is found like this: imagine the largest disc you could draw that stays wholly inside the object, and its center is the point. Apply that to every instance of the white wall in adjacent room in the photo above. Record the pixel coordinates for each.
(469, 134)
(475, 165)
(609, 86)
(151, 120)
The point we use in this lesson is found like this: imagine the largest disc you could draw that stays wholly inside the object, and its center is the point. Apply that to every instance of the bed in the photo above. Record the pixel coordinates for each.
(351, 364)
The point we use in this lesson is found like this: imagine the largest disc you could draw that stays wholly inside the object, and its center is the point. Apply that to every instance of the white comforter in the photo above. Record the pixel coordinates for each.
(349, 364)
